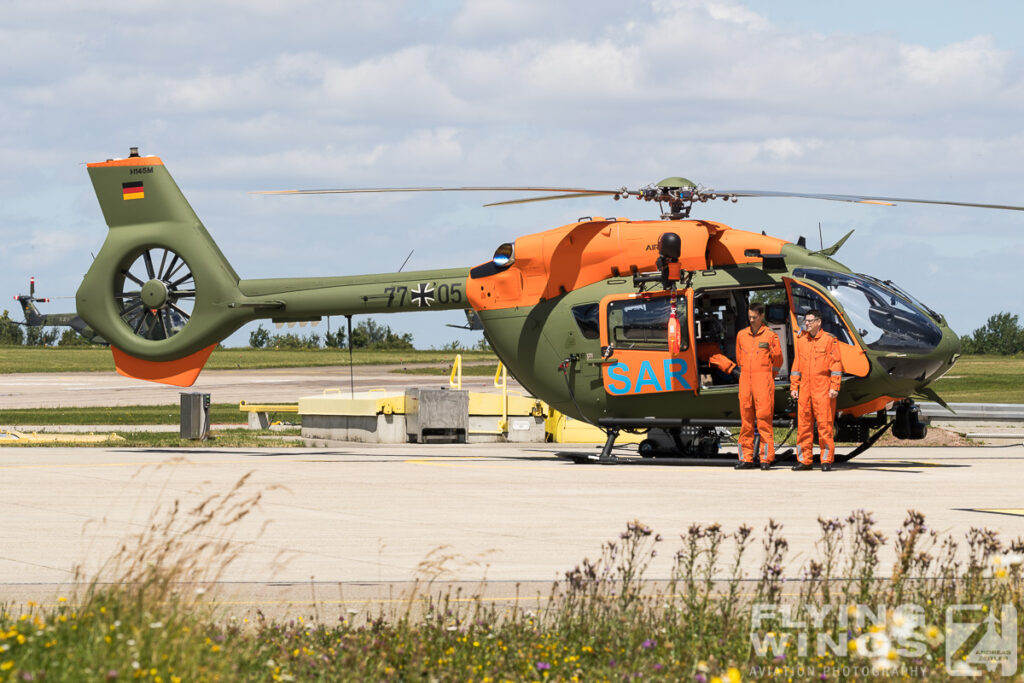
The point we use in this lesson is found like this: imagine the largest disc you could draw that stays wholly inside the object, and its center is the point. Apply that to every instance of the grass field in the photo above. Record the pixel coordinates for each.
(984, 379)
(220, 413)
(98, 359)
(219, 438)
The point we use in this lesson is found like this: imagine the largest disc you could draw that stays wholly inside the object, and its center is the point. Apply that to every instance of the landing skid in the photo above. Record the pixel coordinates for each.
(607, 457)
(864, 446)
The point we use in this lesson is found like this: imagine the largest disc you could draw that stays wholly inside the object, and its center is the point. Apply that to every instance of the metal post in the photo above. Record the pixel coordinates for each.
(351, 378)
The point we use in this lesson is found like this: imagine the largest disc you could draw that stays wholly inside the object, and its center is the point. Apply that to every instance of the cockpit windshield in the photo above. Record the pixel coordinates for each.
(885, 318)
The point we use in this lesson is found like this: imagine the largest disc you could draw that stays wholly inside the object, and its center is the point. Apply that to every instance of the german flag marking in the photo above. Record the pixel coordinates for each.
(133, 190)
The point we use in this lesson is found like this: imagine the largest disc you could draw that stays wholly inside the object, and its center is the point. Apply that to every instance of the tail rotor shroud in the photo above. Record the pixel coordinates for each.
(156, 293)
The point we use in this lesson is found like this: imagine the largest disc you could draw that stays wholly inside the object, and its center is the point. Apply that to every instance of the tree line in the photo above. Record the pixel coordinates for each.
(1001, 335)
(368, 334)
(13, 333)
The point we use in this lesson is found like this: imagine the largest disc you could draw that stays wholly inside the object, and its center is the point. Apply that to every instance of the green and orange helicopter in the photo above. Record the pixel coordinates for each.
(601, 318)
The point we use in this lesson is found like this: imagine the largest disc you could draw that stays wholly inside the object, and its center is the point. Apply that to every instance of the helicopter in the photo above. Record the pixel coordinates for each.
(33, 318)
(602, 318)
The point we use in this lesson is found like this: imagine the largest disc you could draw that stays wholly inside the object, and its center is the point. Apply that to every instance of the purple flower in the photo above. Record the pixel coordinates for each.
(543, 666)
(648, 644)
(657, 667)
(701, 678)
(111, 675)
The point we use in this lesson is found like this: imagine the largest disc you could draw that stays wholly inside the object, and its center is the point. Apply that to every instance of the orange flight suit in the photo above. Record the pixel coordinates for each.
(817, 369)
(710, 352)
(759, 357)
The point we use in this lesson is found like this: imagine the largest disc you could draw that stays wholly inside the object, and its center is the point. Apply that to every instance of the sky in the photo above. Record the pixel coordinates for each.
(908, 99)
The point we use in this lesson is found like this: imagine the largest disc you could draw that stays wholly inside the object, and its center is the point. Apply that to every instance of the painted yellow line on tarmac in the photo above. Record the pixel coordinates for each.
(1015, 512)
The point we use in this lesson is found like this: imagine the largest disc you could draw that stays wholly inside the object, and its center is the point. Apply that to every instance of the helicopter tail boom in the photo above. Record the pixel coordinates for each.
(163, 294)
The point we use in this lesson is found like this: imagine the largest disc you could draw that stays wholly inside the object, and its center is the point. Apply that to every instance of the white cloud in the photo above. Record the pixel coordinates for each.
(240, 95)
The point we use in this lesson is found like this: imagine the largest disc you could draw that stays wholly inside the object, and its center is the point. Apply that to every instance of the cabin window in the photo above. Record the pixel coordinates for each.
(643, 323)
(588, 320)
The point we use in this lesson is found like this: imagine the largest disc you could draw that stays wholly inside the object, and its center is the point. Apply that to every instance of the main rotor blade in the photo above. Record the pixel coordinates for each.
(574, 195)
(437, 189)
(859, 199)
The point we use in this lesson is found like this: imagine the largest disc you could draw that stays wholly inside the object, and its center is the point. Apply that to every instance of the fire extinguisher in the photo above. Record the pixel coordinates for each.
(674, 333)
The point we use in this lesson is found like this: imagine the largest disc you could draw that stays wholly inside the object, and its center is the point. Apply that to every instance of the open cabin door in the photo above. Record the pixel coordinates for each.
(635, 326)
(803, 296)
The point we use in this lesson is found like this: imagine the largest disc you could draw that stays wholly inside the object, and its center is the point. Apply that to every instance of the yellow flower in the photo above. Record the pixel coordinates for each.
(733, 675)
(7, 665)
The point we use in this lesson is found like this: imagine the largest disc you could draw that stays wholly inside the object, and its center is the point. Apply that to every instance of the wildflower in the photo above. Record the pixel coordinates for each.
(62, 599)
(733, 675)
(657, 667)
(111, 675)
(648, 644)
(157, 624)
(543, 666)
(903, 625)
(7, 665)
(701, 678)
(933, 635)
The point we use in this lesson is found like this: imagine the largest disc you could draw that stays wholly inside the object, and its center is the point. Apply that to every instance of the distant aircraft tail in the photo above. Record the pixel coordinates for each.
(33, 318)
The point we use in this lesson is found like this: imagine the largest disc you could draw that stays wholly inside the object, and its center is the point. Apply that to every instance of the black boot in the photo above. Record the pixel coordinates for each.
(766, 466)
(745, 466)
(826, 467)
(802, 468)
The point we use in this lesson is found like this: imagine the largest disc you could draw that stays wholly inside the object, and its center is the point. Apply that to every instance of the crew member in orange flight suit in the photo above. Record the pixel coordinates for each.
(759, 356)
(814, 382)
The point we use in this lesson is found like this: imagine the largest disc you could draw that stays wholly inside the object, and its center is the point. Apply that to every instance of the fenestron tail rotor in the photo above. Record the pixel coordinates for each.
(156, 294)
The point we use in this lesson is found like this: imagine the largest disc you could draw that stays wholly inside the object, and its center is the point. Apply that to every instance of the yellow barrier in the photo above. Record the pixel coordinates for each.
(268, 407)
(456, 377)
(564, 429)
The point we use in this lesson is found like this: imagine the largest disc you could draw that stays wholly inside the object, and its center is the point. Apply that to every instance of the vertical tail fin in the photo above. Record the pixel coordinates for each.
(160, 290)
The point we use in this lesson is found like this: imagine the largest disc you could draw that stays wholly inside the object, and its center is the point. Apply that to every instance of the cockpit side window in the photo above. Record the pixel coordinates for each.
(805, 298)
